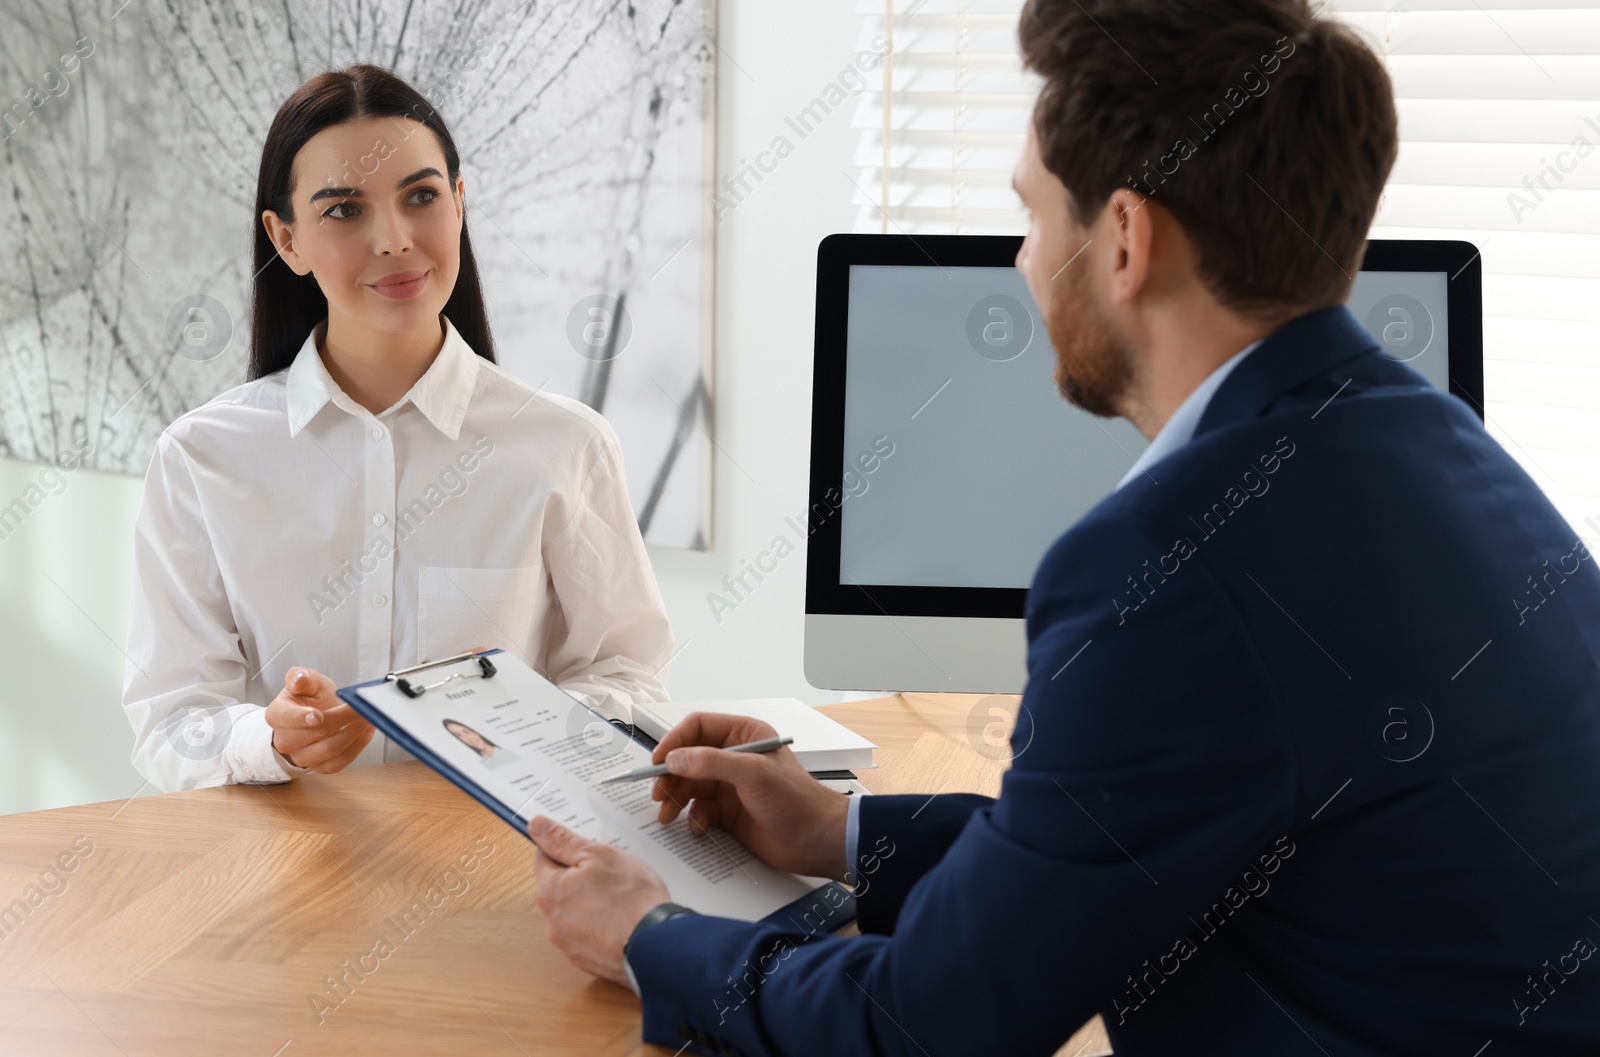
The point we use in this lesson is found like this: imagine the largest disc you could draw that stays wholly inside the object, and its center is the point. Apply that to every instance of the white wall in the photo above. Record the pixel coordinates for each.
(64, 574)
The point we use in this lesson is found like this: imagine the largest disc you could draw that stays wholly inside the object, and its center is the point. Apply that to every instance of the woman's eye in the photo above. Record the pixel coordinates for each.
(430, 192)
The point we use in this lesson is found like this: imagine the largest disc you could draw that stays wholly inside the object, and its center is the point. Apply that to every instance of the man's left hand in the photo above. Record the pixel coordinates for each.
(592, 896)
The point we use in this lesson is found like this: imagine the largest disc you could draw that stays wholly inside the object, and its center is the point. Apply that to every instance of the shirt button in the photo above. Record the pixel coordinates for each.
(379, 600)
(378, 519)
(377, 434)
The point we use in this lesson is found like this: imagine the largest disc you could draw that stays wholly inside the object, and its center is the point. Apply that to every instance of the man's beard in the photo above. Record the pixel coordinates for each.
(1093, 368)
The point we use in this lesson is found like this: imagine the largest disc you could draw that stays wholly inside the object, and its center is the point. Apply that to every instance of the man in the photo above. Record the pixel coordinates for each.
(1313, 715)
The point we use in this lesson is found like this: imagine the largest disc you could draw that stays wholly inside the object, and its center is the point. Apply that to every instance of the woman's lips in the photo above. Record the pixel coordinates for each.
(399, 291)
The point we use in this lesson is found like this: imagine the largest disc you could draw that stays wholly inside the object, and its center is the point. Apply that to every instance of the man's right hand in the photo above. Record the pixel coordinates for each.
(311, 727)
(768, 800)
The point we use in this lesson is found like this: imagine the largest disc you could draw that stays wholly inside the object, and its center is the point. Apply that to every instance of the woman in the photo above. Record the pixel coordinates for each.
(491, 754)
(379, 492)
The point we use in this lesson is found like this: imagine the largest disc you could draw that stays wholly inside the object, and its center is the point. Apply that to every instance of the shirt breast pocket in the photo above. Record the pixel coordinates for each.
(459, 607)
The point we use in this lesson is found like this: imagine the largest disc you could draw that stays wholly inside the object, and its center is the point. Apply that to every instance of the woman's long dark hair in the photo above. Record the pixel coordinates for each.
(285, 306)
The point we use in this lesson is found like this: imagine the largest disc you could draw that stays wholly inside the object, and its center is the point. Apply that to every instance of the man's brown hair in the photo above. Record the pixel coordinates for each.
(1269, 134)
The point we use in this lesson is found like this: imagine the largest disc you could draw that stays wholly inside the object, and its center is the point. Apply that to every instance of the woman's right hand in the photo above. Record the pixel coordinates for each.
(768, 800)
(311, 727)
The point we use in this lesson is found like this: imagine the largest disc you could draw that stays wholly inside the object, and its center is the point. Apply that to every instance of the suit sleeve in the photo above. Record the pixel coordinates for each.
(900, 839)
(1150, 768)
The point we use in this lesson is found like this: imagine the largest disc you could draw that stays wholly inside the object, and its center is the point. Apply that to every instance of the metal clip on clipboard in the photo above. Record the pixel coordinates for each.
(485, 671)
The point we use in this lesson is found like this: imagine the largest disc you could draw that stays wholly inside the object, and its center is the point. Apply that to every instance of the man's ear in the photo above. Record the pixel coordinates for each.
(282, 237)
(1133, 229)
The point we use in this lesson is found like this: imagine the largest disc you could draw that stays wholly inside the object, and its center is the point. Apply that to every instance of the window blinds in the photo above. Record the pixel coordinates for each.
(941, 128)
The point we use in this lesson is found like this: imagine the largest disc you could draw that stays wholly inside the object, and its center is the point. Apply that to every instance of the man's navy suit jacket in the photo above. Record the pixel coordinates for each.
(1308, 761)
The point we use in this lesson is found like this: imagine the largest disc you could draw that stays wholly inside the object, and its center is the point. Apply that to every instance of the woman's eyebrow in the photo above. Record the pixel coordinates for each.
(356, 192)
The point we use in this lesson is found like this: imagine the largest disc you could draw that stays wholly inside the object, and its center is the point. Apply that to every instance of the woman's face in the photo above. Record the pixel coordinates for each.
(468, 735)
(372, 203)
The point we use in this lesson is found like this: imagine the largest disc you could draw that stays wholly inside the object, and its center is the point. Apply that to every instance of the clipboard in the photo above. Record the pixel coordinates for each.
(414, 678)
(830, 906)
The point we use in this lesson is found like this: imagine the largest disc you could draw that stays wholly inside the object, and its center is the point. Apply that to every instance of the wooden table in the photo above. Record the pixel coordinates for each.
(214, 922)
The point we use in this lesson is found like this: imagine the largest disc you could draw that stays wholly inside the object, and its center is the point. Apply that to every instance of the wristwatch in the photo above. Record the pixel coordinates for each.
(654, 916)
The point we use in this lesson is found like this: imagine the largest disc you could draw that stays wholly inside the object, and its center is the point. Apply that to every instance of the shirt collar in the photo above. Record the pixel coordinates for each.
(1179, 429)
(442, 393)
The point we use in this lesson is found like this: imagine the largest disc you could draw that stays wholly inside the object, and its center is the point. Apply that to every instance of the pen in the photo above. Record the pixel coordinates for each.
(764, 745)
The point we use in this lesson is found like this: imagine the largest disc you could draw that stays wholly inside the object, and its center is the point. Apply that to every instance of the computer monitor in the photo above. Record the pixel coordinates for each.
(944, 462)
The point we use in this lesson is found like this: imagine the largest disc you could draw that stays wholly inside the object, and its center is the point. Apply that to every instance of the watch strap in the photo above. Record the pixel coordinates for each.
(654, 916)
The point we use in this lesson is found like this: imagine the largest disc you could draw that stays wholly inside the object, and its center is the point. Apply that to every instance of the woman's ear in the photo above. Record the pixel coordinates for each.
(282, 237)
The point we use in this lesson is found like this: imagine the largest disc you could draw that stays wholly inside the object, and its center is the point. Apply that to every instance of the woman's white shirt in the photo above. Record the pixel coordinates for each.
(284, 525)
